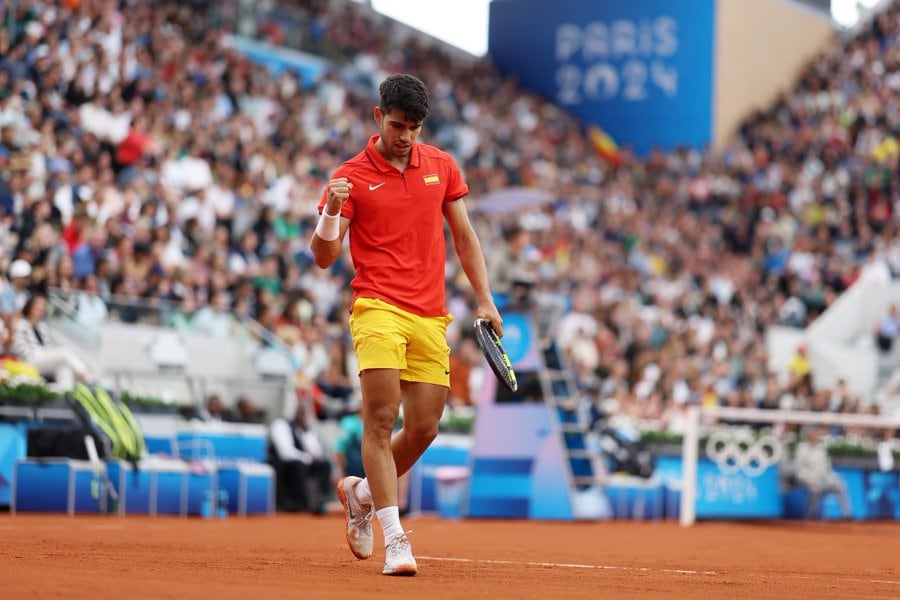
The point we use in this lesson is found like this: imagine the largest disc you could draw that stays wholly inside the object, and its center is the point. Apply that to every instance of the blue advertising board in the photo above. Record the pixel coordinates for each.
(12, 448)
(520, 342)
(738, 494)
(517, 462)
(446, 450)
(640, 69)
(763, 493)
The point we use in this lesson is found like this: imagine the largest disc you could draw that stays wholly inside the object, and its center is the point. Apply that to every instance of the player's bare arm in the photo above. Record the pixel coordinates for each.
(329, 235)
(471, 258)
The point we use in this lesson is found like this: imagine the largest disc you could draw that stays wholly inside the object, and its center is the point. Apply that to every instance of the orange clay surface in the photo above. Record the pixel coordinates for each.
(287, 556)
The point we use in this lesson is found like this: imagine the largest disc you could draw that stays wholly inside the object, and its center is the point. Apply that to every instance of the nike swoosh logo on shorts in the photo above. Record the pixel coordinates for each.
(372, 188)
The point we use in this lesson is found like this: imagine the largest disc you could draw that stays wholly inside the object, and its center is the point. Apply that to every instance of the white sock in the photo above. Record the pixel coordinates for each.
(363, 493)
(389, 517)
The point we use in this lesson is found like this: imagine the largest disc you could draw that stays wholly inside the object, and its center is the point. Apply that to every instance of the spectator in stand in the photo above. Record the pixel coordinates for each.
(887, 329)
(465, 358)
(10, 366)
(243, 259)
(348, 447)
(577, 333)
(513, 270)
(337, 383)
(302, 467)
(15, 291)
(297, 314)
(7, 199)
(214, 410)
(215, 318)
(89, 251)
(799, 368)
(813, 469)
(247, 411)
(309, 353)
(6, 334)
(135, 145)
(90, 308)
(32, 344)
(269, 276)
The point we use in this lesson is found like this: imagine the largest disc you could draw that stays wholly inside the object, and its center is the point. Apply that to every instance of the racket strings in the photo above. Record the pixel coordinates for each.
(496, 356)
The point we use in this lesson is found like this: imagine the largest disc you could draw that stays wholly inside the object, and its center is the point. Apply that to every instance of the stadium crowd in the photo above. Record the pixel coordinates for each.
(144, 158)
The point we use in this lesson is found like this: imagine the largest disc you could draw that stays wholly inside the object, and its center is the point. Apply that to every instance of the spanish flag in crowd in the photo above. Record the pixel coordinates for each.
(604, 145)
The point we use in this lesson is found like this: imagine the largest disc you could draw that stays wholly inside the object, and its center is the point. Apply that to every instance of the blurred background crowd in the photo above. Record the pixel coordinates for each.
(144, 159)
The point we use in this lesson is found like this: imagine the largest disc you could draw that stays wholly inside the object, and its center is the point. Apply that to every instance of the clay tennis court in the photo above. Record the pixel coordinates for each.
(45, 556)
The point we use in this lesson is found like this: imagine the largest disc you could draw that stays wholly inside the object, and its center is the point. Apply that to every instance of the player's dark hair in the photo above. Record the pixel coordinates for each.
(405, 93)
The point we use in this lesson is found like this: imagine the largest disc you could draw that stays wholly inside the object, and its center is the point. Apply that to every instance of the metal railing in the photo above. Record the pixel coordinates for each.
(182, 387)
(170, 314)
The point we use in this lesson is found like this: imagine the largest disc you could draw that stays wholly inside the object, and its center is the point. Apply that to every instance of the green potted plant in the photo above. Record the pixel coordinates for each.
(147, 404)
(847, 454)
(457, 424)
(32, 395)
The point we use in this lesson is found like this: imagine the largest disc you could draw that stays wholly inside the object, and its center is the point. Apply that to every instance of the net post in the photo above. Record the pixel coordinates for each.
(687, 512)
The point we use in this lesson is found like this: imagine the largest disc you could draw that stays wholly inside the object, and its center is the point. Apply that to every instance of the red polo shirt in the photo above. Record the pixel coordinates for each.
(397, 225)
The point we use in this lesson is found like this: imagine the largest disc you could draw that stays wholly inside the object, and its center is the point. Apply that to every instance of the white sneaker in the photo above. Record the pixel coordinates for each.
(398, 558)
(359, 518)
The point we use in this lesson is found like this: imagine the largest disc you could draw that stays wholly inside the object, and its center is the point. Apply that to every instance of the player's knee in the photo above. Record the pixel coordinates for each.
(381, 423)
(421, 433)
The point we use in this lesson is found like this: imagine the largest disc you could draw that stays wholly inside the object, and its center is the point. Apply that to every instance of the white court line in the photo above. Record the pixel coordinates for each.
(881, 581)
(848, 579)
(488, 561)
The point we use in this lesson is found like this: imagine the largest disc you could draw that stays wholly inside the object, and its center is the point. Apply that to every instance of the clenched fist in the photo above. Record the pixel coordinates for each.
(338, 192)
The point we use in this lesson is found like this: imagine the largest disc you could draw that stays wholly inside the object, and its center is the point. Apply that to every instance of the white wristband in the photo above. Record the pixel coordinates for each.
(329, 226)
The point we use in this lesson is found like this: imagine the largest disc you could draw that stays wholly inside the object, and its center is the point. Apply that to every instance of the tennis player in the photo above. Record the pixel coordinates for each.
(393, 198)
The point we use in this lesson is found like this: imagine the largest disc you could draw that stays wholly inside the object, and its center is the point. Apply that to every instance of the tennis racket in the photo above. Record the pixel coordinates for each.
(496, 356)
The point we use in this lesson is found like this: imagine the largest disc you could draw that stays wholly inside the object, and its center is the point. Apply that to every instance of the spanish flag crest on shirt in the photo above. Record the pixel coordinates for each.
(431, 179)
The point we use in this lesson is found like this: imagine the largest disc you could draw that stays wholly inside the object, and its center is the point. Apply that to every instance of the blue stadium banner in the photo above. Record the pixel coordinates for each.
(642, 70)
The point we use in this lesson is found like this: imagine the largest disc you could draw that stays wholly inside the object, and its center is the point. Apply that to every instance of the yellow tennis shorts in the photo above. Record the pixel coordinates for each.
(387, 337)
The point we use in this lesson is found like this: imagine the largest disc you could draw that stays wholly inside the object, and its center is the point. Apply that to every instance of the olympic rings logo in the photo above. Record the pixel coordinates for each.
(740, 452)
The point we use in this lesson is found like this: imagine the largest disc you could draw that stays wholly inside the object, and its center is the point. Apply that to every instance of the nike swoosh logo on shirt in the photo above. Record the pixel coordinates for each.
(372, 188)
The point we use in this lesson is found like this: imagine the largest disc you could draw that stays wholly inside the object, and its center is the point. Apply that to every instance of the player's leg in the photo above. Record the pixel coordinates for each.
(422, 407)
(384, 338)
(379, 342)
(423, 404)
(424, 385)
(381, 390)
(362, 497)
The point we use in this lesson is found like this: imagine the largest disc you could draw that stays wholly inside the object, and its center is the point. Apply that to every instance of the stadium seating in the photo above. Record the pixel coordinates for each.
(690, 260)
